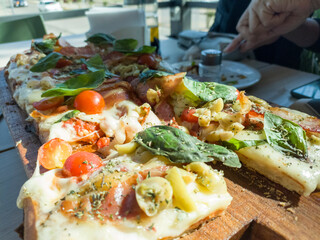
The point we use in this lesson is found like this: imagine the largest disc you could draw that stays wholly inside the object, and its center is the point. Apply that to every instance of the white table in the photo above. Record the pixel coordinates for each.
(274, 86)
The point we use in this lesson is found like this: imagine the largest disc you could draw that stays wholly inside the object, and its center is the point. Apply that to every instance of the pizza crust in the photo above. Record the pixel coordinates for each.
(274, 174)
(30, 219)
(201, 225)
(40, 207)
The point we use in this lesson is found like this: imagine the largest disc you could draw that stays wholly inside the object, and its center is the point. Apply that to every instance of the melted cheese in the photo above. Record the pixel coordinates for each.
(47, 190)
(169, 223)
(28, 85)
(288, 171)
(121, 122)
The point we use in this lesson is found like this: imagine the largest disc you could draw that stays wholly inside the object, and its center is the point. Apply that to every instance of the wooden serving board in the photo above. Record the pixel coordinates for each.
(260, 208)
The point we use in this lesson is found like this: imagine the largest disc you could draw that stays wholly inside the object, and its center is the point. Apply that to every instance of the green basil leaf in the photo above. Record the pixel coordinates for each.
(95, 64)
(125, 45)
(144, 50)
(48, 62)
(68, 116)
(209, 91)
(235, 144)
(148, 74)
(100, 38)
(180, 147)
(76, 85)
(46, 46)
(285, 136)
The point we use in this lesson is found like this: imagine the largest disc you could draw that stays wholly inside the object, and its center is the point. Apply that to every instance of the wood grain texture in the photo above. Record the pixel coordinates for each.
(260, 208)
(26, 140)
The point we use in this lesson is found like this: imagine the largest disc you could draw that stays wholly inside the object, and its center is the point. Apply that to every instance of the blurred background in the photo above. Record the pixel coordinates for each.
(166, 17)
(68, 16)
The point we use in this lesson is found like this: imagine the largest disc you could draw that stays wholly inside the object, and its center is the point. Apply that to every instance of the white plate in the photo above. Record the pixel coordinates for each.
(235, 74)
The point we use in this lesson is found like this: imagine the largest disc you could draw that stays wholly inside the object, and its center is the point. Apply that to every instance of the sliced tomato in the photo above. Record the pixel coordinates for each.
(188, 115)
(89, 102)
(48, 103)
(149, 60)
(63, 62)
(254, 120)
(81, 163)
(103, 142)
(254, 114)
(54, 153)
(88, 132)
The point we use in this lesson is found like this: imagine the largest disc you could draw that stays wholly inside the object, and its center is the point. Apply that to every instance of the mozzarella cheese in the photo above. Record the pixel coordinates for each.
(28, 86)
(48, 190)
(293, 174)
(23, 94)
(120, 122)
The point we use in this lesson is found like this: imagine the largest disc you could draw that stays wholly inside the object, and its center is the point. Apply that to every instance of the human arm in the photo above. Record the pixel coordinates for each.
(306, 34)
(264, 20)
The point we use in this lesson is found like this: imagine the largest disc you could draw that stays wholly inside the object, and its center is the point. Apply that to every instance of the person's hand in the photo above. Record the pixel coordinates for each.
(242, 45)
(267, 19)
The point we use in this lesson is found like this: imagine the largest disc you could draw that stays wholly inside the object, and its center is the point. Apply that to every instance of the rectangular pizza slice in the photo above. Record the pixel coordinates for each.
(130, 194)
(279, 143)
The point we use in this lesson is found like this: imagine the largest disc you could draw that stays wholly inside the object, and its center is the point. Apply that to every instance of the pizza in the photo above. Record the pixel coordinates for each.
(129, 144)
(279, 143)
(123, 199)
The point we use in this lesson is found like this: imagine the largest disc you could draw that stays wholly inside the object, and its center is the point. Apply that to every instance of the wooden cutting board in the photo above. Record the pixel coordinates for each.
(260, 208)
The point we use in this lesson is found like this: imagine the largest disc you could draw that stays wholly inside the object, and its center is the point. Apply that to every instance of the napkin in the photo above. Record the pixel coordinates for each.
(119, 22)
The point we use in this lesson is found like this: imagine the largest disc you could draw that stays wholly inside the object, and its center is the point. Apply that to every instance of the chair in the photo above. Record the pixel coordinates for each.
(22, 29)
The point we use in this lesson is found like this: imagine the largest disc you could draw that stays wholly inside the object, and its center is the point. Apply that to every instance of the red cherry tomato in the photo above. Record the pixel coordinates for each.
(90, 102)
(149, 60)
(187, 115)
(63, 62)
(48, 103)
(54, 153)
(103, 142)
(81, 163)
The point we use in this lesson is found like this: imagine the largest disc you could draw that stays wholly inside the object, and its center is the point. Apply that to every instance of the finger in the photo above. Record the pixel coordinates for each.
(275, 20)
(243, 21)
(270, 14)
(255, 42)
(243, 26)
(263, 16)
(254, 20)
(247, 45)
(234, 44)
